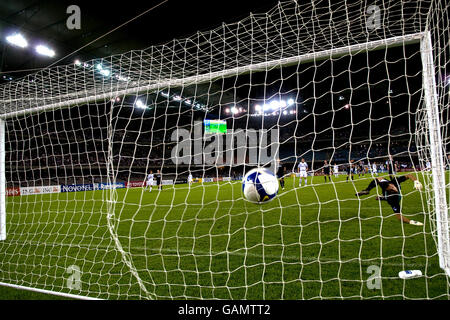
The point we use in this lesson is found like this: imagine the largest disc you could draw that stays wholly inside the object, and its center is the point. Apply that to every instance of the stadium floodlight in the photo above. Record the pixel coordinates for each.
(45, 51)
(77, 62)
(234, 110)
(17, 40)
(102, 70)
(290, 102)
(139, 104)
(105, 72)
(122, 78)
(274, 105)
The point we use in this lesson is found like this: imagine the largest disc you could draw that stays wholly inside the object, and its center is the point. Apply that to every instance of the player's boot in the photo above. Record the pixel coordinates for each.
(362, 193)
(415, 223)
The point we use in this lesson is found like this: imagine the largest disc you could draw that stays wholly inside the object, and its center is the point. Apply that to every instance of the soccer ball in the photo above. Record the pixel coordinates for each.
(259, 185)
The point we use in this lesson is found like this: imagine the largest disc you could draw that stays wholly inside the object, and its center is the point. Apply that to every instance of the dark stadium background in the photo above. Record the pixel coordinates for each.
(71, 146)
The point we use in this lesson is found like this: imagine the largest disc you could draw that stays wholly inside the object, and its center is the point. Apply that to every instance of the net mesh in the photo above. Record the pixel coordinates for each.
(320, 81)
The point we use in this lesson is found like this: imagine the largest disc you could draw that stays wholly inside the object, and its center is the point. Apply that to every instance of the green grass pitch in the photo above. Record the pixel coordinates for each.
(206, 242)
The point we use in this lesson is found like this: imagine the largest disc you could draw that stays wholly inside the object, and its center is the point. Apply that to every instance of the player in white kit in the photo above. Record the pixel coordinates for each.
(336, 170)
(374, 169)
(149, 182)
(303, 171)
(190, 179)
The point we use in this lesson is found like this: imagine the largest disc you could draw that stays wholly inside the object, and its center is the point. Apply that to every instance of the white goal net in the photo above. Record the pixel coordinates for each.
(120, 177)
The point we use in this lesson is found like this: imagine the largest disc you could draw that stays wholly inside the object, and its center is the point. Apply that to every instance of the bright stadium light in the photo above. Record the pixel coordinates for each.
(290, 102)
(45, 51)
(77, 62)
(105, 72)
(274, 104)
(17, 40)
(139, 104)
(227, 110)
(234, 110)
(122, 78)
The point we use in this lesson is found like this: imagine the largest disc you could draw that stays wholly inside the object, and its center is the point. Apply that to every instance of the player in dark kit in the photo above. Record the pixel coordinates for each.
(350, 170)
(326, 171)
(391, 193)
(281, 173)
(158, 180)
(392, 167)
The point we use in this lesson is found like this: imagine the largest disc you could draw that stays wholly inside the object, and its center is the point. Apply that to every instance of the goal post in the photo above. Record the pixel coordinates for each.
(2, 182)
(436, 153)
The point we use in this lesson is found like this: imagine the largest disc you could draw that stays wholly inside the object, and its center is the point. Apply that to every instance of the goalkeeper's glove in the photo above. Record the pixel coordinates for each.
(417, 185)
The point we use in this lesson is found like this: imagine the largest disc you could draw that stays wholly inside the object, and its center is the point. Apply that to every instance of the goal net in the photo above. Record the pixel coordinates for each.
(121, 176)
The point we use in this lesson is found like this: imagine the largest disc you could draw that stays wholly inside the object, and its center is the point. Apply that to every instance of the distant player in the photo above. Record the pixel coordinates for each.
(281, 172)
(303, 171)
(361, 169)
(149, 182)
(159, 180)
(392, 194)
(350, 170)
(336, 170)
(374, 169)
(190, 179)
(428, 166)
(326, 171)
(392, 167)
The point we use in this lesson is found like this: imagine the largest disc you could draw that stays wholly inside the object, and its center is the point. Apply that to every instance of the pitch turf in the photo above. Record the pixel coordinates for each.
(206, 242)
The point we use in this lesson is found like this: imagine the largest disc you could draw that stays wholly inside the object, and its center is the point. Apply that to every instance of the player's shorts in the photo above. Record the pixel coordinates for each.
(149, 183)
(326, 171)
(394, 202)
(303, 174)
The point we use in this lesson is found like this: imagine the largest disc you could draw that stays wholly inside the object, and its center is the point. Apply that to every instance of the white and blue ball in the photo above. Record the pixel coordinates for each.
(259, 185)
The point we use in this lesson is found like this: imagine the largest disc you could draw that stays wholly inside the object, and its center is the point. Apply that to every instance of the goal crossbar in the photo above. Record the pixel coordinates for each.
(137, 88)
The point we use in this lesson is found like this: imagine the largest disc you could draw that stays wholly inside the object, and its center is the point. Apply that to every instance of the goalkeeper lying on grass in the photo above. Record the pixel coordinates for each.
(391, 193)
